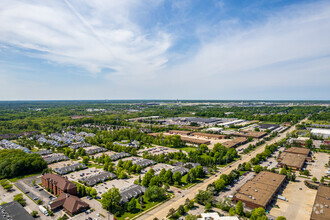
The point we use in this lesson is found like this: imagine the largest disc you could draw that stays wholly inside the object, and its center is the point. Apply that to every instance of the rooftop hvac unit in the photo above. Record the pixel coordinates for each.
(256, 190)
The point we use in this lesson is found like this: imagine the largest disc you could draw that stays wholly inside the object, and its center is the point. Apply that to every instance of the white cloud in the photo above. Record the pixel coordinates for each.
(91, 34)
(288, 51)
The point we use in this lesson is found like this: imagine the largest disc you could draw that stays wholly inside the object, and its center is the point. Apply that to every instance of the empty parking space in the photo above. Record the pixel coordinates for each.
(300, 201)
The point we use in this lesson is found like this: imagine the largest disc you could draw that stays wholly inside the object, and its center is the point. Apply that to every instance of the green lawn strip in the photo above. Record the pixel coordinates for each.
(13, 180)
(148, 210)
(147, 206)
(186, 148)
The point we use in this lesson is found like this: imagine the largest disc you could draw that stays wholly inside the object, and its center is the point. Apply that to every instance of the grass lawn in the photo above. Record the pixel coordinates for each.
(90, 165)
(186, 148)
(147, 205)
(22, 177)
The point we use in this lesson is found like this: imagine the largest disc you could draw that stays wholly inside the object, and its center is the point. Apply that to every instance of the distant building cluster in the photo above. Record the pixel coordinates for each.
(11, 145)
(125, 143)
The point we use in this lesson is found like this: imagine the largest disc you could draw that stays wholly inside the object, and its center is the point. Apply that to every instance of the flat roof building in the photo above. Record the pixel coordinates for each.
(194, 141)
(321, 208)
(271, 127)
(260, 191)
(298, 150)
(208, 136)
(180, 132)
(294, 161)
(15, 211)
(235, 142)
(253, 134)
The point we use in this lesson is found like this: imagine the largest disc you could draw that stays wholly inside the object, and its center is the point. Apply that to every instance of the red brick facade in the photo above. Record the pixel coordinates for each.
(58, 184)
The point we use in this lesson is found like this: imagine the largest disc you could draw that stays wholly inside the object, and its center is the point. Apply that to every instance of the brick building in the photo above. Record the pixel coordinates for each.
(58, 184)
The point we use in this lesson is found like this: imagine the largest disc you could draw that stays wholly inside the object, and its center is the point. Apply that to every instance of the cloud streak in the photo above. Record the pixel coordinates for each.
(286, 51)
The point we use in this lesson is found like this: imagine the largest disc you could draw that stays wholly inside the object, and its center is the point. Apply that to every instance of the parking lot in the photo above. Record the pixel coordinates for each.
(157, 150)
(128, 158)
(75, 176)
(61, 164)
(317, 168)
(105, 153)
(231, 189)
(157, 168)
(118, 183)
(300, 201)
(35, 192)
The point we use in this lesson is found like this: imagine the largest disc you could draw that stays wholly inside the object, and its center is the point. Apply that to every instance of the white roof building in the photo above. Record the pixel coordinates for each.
(215, 216)
(325, 133)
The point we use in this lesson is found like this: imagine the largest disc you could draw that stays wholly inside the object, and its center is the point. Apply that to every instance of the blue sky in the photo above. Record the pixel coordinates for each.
(158, 49)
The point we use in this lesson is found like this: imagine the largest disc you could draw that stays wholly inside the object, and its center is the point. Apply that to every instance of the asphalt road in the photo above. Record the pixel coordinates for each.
(161, 211)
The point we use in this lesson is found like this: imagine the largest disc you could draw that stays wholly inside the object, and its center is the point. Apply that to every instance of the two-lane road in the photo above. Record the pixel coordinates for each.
(161, 211)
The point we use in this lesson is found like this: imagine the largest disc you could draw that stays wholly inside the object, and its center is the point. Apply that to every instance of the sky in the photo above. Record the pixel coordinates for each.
(164, 49)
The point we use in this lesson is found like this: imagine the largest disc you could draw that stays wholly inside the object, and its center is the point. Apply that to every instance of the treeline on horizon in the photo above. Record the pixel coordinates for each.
(16, 118)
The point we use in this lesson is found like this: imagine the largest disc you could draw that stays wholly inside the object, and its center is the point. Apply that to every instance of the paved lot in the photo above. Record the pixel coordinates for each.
(105, 153)
(157, 168)
(300, 202)
(128, 158)
(157, 150)
(96, 205)
(318, 169)
(235, 186)
(35, 192)
(75, 176)
(61, 164)
(30, 205)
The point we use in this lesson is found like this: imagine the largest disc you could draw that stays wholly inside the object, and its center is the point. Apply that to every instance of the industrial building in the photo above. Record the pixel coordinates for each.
(179, 132)
(208, 136)
(253, 134)
(294, 157)
(260, 191)
(271, 127)
(321, 209)
(14, 210)
(194, 141)
(325, 133)
(235, 142)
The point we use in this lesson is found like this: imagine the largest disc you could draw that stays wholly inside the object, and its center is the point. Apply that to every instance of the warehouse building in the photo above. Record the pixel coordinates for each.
(235, 142)
(294, 157)
(253, 134)
(14, 210)
(208, 136)
(194, 141)
(271, 127)
(321, 208)
(180, 132)
(260, 191)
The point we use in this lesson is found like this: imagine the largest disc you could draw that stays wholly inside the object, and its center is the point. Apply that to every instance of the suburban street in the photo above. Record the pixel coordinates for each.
(162, 211)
